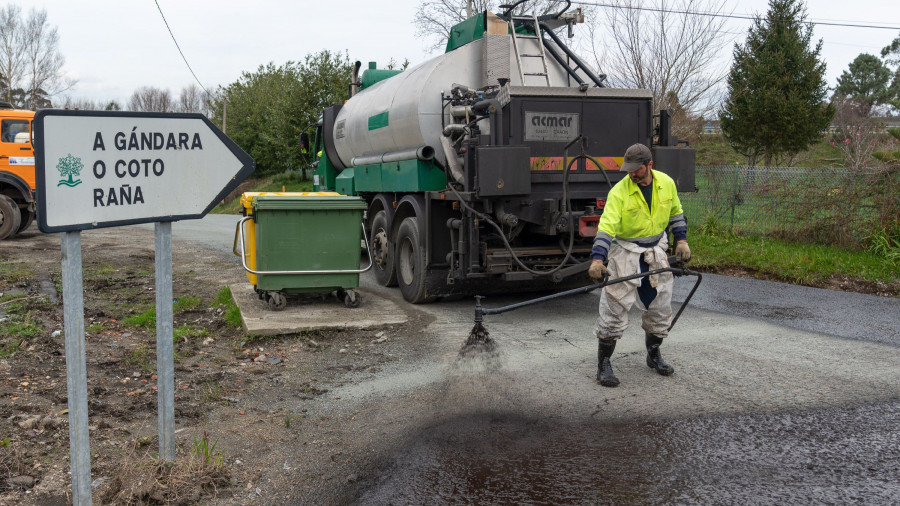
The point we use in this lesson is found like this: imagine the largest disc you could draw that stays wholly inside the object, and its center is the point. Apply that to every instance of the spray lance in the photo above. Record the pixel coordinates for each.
(480, 339)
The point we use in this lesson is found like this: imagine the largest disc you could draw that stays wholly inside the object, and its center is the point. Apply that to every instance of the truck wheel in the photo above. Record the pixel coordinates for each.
(411, 272)
(10, 219)
(382, 255)
(27, 218)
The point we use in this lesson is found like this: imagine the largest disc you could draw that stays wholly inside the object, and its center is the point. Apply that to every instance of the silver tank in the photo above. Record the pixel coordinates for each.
(412, 101)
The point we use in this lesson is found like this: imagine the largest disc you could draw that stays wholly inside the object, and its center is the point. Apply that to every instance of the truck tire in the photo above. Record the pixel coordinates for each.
(382, 250)
(27, 218)
(10, 219)
(410, 262)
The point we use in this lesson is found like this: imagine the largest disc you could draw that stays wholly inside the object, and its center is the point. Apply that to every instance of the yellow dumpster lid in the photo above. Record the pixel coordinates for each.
(247, 198)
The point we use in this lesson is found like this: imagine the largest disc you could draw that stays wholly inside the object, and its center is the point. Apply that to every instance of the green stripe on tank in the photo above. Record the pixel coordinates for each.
(378, 121)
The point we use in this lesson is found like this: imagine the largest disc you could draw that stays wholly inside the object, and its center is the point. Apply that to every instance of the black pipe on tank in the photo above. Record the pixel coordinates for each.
(354, 82)
(664, 128)
(492, 106)
(598, 80)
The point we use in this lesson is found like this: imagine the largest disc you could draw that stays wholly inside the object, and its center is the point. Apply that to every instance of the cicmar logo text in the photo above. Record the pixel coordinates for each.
(551, 121)
(69, 166)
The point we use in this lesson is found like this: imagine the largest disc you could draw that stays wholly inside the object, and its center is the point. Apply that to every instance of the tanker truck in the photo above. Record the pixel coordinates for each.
(485, 169)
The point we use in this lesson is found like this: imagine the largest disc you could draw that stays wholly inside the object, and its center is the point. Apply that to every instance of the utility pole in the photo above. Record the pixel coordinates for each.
(468, 9)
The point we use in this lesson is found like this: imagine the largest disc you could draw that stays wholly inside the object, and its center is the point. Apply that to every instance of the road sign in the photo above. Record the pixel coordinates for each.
(104, 168)
(107, 169)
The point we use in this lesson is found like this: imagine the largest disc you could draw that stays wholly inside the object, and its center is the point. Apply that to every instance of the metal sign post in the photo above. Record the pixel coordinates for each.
(105, 169)
(165, 353)
(76, 368)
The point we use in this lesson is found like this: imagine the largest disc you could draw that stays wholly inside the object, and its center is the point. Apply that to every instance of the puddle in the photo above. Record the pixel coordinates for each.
(821, 456)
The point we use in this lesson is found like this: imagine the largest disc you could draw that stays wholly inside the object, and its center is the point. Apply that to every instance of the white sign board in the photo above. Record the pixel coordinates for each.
(103, 169)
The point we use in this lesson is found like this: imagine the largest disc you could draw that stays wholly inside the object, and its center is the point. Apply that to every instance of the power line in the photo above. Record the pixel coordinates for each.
(730, 16)
(179, 47)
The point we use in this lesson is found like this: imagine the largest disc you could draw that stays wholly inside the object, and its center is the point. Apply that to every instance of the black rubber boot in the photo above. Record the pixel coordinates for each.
(654, 359)
(605, 374)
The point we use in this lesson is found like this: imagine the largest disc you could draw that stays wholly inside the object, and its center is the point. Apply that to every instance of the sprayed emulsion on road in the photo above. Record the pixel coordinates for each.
(487, 447)
(495, 456)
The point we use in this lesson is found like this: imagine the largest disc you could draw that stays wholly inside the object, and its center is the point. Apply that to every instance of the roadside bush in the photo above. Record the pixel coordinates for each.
(840, 207)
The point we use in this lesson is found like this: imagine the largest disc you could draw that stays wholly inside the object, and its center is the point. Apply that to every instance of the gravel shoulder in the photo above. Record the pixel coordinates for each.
(248, 395)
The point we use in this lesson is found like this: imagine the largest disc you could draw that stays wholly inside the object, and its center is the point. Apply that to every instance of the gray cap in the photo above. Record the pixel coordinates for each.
(635, 156)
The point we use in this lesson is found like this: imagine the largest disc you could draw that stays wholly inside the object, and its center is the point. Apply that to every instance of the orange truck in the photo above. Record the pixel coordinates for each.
(17, 184)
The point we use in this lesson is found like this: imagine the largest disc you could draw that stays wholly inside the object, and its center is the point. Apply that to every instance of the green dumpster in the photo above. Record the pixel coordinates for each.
(301, 243)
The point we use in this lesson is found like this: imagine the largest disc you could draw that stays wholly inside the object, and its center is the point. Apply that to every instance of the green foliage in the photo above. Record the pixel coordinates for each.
(15, 272)
(866, 81)
(776, 87)
(807, 264)
(186, 331)
(890, 156)
(232, 312)
(891, 55)
(267, 109)
(20, 327)
(95, 327)
(715, 150)
(147, 319)
(187, 303)
(141, 357)
(885, 242)
(8, 347)
(205, 455)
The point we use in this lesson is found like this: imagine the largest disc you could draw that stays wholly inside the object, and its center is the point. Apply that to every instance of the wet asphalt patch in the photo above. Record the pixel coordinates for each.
(834, 455)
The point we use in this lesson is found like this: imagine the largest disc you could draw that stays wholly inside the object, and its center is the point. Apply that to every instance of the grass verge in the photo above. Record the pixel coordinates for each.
(805, 264)
(232, 313)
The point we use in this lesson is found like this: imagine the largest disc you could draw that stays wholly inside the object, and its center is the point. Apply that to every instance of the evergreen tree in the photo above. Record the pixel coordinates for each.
(865, 81)
(891, 55)
(776, 87)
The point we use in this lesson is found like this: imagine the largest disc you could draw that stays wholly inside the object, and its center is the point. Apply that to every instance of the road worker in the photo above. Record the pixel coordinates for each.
(631, 238)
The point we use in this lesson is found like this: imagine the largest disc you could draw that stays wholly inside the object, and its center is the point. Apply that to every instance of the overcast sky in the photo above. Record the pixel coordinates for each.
(113, 47)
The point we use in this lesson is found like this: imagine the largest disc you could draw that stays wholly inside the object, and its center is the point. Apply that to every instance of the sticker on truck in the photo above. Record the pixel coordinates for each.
(21, 160)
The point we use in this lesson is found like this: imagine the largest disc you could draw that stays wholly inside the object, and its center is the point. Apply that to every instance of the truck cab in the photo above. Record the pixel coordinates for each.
(17, 178)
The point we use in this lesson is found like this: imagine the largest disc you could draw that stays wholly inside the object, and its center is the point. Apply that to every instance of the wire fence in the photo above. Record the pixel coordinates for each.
(824, 205)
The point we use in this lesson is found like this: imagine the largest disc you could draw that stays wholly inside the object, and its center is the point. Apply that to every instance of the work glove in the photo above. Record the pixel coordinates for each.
(683, 252)
(598, 271)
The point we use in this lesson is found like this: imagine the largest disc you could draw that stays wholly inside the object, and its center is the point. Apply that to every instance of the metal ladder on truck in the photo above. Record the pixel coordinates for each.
(538, 38)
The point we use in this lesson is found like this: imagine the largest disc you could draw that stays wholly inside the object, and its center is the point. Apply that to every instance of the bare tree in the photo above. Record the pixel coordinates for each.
(671, 50)
(193, 99)
(12, 50)
(435, 18)
(43, 61)
(150, 99)
(858, 136)
(30, 61)
(82, 104)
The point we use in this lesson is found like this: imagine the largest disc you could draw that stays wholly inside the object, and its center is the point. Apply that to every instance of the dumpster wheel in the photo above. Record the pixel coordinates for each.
(276, 300)
(349, 297)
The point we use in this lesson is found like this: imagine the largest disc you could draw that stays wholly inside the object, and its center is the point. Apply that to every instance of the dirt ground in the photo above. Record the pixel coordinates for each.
(239, 399)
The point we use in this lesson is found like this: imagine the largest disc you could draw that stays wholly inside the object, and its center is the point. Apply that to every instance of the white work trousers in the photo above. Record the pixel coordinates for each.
(616, 300)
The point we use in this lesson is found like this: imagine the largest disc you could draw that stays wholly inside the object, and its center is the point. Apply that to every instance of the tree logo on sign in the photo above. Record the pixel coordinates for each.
(69, 166)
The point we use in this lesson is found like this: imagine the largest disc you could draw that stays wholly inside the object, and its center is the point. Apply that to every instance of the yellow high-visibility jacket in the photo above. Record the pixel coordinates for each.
(626, 216)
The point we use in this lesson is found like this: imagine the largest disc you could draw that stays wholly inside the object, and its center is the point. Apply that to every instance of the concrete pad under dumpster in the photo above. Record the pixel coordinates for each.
(313, 313)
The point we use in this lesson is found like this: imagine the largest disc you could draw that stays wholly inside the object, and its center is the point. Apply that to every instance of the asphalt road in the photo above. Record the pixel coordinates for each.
(781, 392)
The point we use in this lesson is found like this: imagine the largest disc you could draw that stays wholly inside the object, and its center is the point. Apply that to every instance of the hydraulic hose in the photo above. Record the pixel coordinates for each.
(508, 246)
